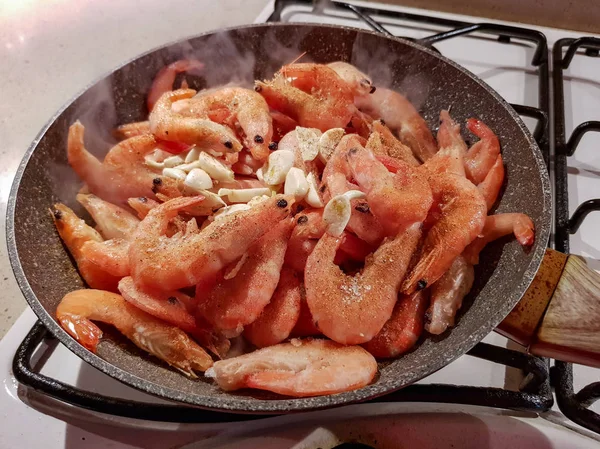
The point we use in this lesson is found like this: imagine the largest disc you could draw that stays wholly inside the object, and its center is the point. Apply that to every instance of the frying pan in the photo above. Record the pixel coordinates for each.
(46, 273)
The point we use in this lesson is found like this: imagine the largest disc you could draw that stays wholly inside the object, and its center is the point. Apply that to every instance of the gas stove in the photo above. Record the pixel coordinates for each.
(495, 395)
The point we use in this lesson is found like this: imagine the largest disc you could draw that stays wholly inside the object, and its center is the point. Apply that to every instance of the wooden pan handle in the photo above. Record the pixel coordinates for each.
(559, 315)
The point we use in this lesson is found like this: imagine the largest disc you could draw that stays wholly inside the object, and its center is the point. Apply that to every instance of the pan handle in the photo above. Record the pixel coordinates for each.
(559, 315)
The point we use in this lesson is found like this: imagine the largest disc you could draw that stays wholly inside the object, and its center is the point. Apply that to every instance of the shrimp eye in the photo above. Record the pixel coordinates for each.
(373, 89)
(172, 300)
(352, 151)
(273, 146)
(421, 284)
(157, 181)
(363, 207)
(382, 121)
(258, 139)
(143, 199)
(257, 88)
(282, 203)
(303, 219)
(57, 214)
(228, 144)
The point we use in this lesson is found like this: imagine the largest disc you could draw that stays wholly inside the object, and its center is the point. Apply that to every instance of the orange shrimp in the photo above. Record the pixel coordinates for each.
(123, 174)
(142, 205)
(78, 309)
(305, 326)
(482, 155)
(309, 228)
(75, 233)
(447, 295)
(163, 82)
(383, 143)
(500, 225)
(461, 213)
(111, 220)
(360, 83)
(282, 125)
(448, 135)
(186, 259)
(176, 308)
(128, 130)
(402, 331)
(279, 317)
(492, 184)
(401, 117)
(236, 302)
(111, 256)
(246, 164)
(166, 124)
(316, 97)
(353, 309)
(301, 368)
(336, 178)
(245, 107)
(397, 201)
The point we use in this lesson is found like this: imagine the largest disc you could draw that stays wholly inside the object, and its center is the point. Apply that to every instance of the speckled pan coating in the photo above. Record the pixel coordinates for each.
(45, 272)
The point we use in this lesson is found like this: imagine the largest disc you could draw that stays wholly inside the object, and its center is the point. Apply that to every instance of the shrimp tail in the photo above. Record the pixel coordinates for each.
(82, 330)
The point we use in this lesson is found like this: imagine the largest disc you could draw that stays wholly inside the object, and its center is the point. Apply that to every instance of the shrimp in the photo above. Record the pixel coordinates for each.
(353, 309)
(246, 164)
(305, 326)
(111, 221)
(128, 130)
(482, 155)
(401, 117)
(238, 301)
(460, 216)
(75, 233)
(184, 260)
(309, 228)
(245, 107)
(383, 143)
(169, 125)
(336, 178)
(301, 368)
(448, 135)
(163, 82)
(111, 256)
(397, 201)
(282, 125)
(402, 331)
(316, 97)
(447, 295)
(279, 317)
(360, 83)
(142, 205)
(78, 309)
(492, 184)
(500, 225)
(176, 308)
(122, 175)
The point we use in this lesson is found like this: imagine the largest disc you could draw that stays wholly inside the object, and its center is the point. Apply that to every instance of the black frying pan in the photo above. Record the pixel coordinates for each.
(45, 272)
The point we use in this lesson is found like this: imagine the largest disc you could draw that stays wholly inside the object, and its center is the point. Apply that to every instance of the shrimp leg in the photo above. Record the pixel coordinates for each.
(78, 309)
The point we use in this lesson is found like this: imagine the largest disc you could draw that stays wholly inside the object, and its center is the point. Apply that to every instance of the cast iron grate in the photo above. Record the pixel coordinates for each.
(573, 405)
(534, 393)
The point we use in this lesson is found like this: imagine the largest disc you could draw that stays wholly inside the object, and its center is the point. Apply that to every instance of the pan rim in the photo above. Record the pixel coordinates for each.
(240, 404)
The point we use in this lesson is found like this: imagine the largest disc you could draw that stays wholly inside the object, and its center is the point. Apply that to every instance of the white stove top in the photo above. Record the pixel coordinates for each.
(32, 420)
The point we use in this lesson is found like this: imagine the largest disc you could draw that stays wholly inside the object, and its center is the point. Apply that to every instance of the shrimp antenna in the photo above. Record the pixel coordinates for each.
(297, 59)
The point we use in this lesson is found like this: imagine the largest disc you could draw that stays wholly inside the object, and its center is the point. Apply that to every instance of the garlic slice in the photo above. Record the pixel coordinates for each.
(228, 210)
(173, 161)
(215, 168)
(338, 210)
(198, 179)
(308, 142)
(295, 184)
(328, 141)
(174, 173)
(212, 202)
(156, 158)
(192, 155)
(243, 195)
(278, 166)
(312, 196)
